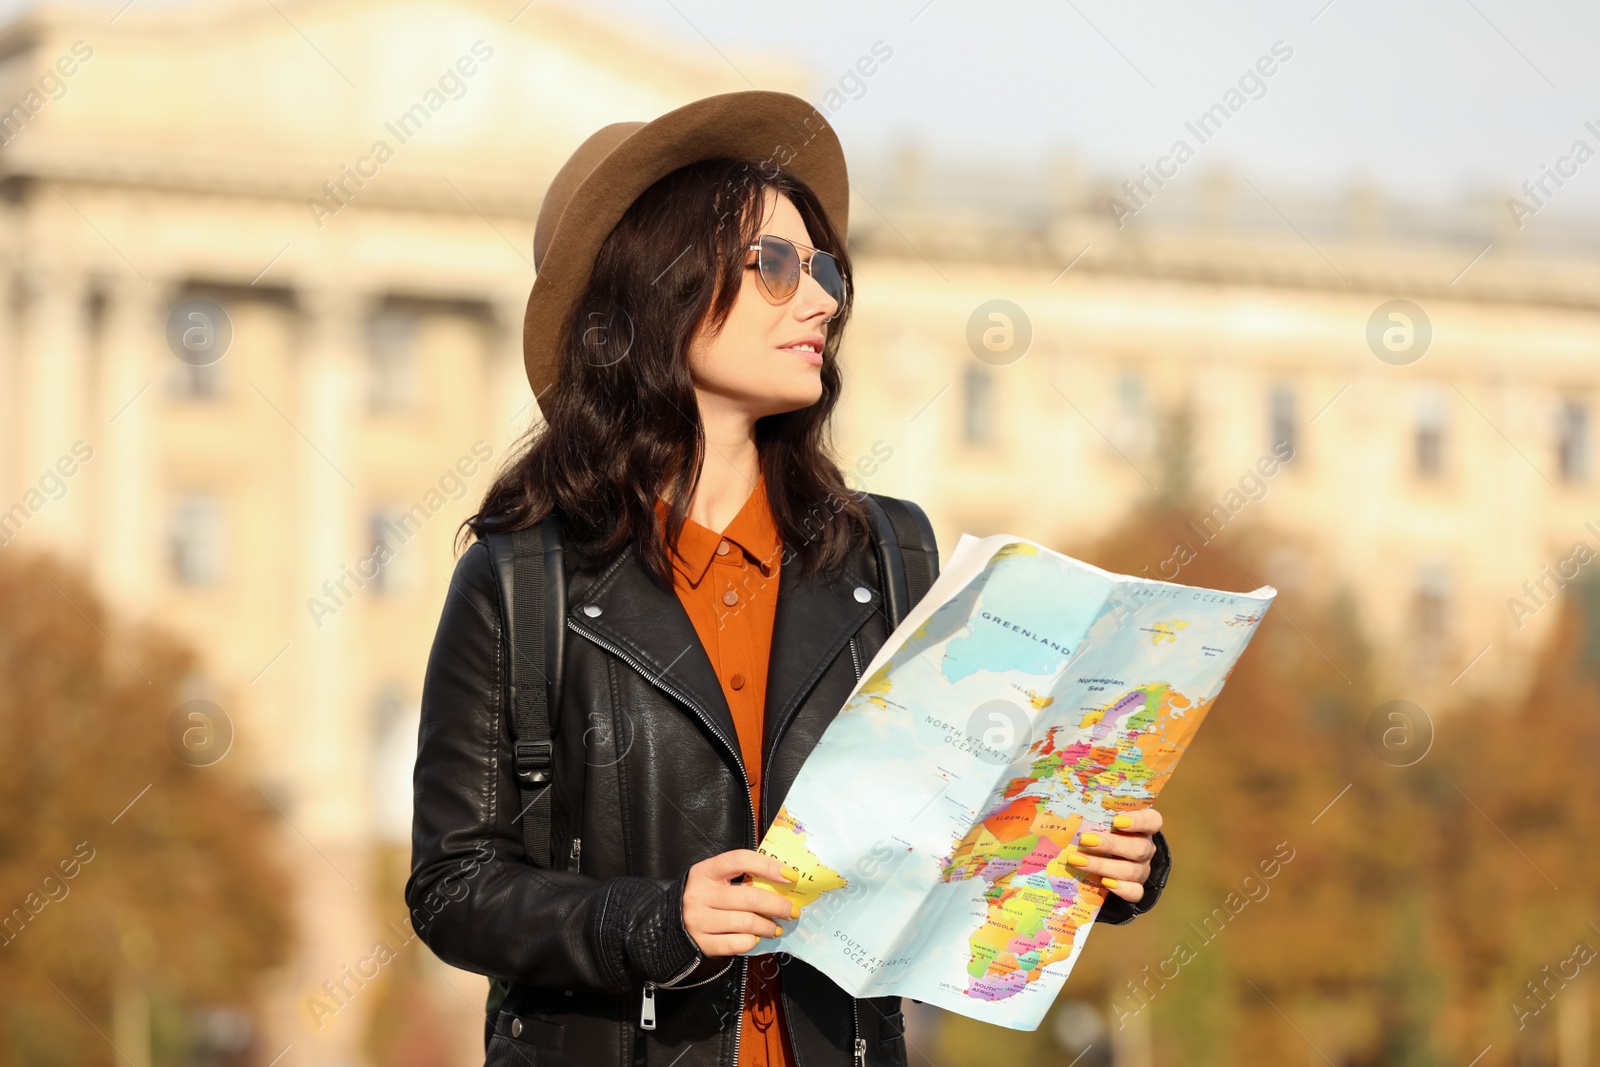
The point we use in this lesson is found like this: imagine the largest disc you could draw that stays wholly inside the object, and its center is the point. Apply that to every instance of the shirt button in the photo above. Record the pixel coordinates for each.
(723, 548)
(737, 681)
(730, 598)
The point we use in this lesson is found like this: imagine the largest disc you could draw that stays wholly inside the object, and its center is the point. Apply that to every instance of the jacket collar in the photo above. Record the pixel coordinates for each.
(649, 628)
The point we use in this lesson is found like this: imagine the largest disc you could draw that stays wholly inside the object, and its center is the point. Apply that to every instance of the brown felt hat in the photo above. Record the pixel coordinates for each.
(592, 190)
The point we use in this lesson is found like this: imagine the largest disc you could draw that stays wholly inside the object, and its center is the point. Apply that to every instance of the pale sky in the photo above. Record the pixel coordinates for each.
(1423, 97)
(1426, 98)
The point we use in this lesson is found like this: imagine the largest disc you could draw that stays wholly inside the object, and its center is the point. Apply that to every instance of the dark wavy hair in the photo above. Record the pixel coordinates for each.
(622, 423)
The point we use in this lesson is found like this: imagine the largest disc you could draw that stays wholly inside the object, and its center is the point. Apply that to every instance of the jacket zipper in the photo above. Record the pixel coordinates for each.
(647, 1007)
(860, 1045)
(572, 858)
(738, 1020)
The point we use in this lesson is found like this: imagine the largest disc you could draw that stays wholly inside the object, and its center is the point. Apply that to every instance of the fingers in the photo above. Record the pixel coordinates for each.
(723, 921)
(728, 945)
(726, 916)
(1105, 867)
(1126, 846)
(742, 861)
(1143, 821)
(1132, 892)
(1119, 858)
(751, 898)
(712, 927)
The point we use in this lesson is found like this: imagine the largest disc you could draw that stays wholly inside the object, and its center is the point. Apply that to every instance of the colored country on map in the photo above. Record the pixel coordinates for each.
(1035, 903)
(1167, 631)
(786, 842)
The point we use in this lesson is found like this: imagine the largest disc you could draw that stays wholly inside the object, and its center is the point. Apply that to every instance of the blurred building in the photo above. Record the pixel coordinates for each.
(265, 268)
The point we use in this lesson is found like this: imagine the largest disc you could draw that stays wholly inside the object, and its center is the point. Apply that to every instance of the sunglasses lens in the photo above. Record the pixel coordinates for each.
(780, 266)
(825, 269)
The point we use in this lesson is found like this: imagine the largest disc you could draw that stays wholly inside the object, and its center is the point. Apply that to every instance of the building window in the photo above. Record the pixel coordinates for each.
(195, 540)
(389, 528)
(391, 359)
(1130, 427)
(1430, 433)
(1280, 420)
(1572, 441)
(395, 721)
(978, 422)
(1430, 616)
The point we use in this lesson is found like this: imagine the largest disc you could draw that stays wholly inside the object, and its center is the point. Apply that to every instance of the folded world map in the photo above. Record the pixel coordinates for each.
(1026, 700)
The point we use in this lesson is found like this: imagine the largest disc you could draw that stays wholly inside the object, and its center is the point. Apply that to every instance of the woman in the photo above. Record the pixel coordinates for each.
(682, 340)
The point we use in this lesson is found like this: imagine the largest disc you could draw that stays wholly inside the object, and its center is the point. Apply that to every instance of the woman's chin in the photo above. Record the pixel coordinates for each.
(794, 396)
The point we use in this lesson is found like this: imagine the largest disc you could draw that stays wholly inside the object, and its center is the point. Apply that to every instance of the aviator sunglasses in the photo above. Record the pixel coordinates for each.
(779, 262)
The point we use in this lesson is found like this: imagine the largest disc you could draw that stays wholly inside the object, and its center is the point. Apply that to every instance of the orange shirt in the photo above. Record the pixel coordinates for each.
(728, 584)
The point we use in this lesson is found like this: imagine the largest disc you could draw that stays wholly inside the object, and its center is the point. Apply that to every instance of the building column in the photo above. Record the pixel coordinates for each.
(52, 406)
(126, 540)
(329, 804)
(10, 463)
(328, 408)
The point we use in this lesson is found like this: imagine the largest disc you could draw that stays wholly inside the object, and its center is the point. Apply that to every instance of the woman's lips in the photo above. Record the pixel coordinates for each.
(814, 358)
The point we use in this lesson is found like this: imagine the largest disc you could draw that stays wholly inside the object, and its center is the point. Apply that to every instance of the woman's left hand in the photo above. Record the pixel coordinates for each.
(1120, 860)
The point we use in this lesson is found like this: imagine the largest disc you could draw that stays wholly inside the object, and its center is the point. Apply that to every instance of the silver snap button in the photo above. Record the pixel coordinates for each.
(862, 594)
(516, 1027)
(591, 610)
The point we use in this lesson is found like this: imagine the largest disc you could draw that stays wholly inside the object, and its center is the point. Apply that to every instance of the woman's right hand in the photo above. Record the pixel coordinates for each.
(727, 917)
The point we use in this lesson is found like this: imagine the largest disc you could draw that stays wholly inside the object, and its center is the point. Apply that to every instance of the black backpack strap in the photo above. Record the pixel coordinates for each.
(908, 554)
(533, 605)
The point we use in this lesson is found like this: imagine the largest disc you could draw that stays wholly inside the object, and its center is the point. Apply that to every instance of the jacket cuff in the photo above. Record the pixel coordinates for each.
(1117, 911)
(654, 943)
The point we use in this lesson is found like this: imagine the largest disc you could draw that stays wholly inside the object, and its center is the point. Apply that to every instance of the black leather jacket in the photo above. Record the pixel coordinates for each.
(665, 789)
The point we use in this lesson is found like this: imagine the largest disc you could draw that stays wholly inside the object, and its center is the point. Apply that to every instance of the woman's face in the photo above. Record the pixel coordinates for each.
(768, 357)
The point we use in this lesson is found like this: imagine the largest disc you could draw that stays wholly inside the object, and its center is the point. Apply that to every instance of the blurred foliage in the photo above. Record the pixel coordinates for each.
(169, 915)
(1415, 910)
(406, 1027)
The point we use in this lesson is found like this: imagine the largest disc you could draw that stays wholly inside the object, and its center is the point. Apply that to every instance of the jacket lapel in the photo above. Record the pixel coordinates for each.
(647, 626)
(815, 620)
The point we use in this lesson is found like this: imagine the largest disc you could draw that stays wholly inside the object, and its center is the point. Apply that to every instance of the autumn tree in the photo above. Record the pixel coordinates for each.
(1513, 871)
(137, 887)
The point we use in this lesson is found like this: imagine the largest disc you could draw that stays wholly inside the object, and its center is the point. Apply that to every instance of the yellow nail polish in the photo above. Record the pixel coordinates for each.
(1089, 839)
(1077, 859)
(794, 910)
(1109, 883)
(1122, 822)
(779, 933)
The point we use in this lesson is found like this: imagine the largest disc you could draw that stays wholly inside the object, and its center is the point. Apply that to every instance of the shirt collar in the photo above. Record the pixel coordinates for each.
(752, 530)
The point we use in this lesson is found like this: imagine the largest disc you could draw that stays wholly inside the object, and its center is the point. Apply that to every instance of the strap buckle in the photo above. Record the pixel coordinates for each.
(533, 759)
